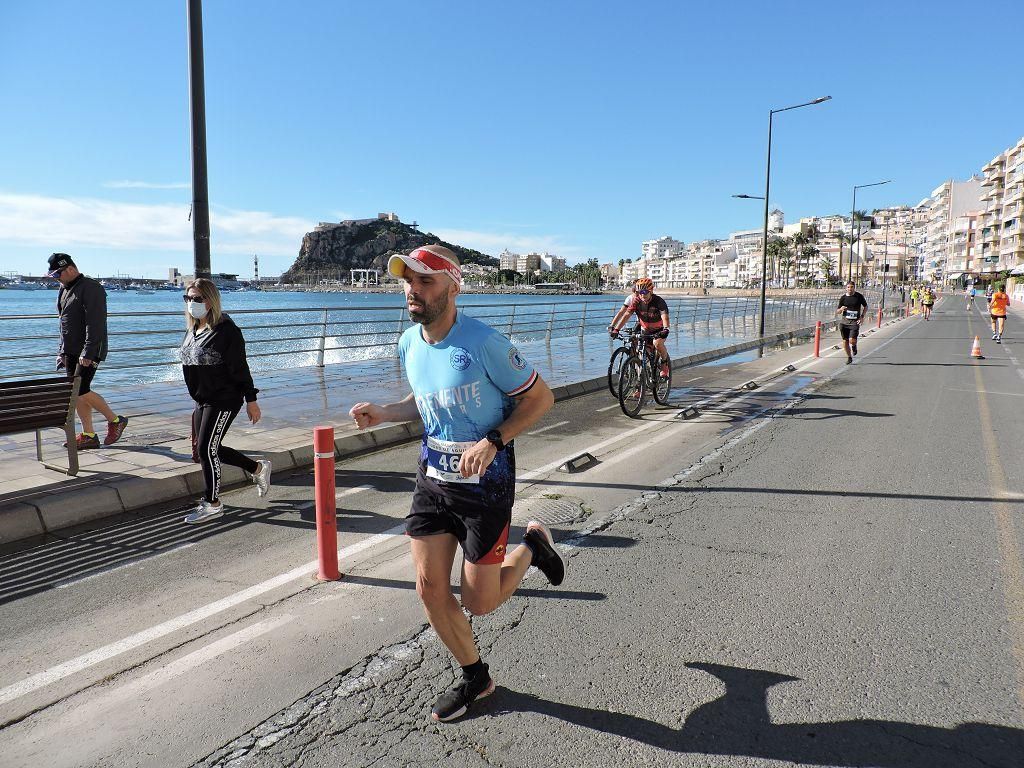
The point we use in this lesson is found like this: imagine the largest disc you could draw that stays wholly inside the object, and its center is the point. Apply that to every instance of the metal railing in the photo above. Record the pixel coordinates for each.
(307, 336)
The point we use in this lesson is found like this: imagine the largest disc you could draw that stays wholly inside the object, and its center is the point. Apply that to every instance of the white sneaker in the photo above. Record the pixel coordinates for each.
(205, 511)
(995, 336)
(262, 478)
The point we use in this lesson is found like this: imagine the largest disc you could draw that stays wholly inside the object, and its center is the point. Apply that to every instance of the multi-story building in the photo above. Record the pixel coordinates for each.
(528, 263)
(1001, 242)
(662, 248)
(609, 274)
(948, 201)
(507, 260)
(549, 263)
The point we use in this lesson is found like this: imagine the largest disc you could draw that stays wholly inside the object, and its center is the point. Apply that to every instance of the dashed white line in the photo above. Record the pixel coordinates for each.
(607, 408)
(549, 426)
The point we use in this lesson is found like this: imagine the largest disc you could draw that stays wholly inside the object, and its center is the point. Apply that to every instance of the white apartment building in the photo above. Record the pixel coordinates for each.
(527, 263)
(663, 248)
(549, 263)
(507, 260)
(1001, 237)
(948, 201)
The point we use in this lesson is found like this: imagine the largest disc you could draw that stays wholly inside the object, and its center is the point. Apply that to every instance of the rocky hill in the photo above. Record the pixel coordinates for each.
(366, 244)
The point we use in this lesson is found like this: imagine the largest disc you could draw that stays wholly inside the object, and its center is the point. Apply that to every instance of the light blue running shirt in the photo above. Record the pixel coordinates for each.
(464, 387)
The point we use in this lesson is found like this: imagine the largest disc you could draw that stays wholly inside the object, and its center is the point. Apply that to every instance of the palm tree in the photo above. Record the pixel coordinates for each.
(825, 264)
(799, 240)
(841, 238)
(808, 253)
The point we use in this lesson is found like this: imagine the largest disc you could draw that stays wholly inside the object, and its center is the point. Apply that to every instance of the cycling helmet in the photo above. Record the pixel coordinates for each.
(644, 284)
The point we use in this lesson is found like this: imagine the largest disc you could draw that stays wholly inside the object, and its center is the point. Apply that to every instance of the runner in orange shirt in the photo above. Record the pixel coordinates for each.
(997, 309)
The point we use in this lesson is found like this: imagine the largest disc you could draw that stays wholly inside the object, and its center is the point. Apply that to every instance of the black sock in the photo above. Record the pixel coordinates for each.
(473, 671)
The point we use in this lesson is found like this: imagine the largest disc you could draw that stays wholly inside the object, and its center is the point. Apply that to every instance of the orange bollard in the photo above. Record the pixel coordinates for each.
(326, 520)
(879, 317)
(817, 339)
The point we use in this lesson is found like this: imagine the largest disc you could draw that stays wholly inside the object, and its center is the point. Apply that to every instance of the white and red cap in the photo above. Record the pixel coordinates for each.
(427, 260)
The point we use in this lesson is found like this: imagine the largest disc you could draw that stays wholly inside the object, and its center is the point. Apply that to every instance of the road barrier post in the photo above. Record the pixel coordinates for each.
(326, 518)
(879, 318)
(817, 338)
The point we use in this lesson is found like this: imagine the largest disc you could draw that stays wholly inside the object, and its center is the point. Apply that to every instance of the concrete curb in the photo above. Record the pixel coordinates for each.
(32, 517)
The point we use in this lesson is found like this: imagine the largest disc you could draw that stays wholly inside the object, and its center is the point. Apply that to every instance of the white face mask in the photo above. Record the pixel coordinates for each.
(197, 309)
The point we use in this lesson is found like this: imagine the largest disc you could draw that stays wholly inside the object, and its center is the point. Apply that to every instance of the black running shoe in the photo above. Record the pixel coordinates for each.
(454, 704)
(854, 350)
(545, 555)
(849, 359)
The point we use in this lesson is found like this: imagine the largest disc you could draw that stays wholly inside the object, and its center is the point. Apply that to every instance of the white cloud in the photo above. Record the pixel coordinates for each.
(494, 243)
(52, 222)
(127, 184)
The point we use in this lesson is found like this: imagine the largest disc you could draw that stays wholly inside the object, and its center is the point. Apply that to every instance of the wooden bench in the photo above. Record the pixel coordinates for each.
(38, 404)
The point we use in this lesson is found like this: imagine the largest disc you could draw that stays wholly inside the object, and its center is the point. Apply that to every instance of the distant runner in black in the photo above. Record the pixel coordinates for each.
(851, 310)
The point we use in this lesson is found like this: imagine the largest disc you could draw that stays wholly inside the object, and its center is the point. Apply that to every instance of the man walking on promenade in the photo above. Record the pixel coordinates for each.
(997, 310)
(852, 309)
(474, 393)
(82, 306)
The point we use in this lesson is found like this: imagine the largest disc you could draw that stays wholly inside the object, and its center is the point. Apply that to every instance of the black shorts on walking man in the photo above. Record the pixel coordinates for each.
(82, 307)
(217, 376)
(474, 393)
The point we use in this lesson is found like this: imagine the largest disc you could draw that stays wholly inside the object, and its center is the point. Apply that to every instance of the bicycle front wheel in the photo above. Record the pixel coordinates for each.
(632, 387)
(614, 367)
(662, 384)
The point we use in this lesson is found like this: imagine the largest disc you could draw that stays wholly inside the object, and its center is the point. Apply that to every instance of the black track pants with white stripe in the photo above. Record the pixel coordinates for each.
(211, 424)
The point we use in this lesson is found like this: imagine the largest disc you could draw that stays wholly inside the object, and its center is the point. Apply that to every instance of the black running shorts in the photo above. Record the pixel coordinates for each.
(85, 371)
(849, 332)
(481, 529)
(997, 317)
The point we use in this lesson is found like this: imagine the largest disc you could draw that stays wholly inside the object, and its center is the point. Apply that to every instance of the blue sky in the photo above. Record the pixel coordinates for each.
(581, 128)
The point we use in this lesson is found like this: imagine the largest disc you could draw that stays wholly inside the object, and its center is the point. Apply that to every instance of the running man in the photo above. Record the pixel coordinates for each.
(475, 393)
(927, 301)
(913, 299)
(971, 293)
(851, 310)
(652, 312)
(997, 311)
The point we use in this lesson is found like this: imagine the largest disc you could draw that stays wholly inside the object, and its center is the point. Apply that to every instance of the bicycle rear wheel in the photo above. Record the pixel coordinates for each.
(632, 386)
(614, 366)
(662, 384)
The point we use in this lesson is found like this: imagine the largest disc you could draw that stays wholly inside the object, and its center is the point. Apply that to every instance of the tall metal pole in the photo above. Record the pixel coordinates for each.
(197, 92)
(764, 240)
(854, 208)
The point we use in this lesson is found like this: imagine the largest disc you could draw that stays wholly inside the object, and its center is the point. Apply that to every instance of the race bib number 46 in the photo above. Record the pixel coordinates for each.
(443, 459)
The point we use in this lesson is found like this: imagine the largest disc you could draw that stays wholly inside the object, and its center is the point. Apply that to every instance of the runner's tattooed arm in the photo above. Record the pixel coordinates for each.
(370, 414)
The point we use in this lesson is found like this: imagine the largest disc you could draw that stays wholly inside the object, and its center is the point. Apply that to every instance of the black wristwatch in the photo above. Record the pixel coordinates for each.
(494, 438)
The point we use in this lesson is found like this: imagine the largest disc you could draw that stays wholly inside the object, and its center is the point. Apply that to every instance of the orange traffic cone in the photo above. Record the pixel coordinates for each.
(976, 349)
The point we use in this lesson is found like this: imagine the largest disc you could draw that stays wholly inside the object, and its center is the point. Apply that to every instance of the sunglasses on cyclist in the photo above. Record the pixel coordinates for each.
(642, 293)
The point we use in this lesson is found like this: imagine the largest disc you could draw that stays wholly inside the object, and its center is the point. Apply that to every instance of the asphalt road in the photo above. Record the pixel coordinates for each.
(824, 571)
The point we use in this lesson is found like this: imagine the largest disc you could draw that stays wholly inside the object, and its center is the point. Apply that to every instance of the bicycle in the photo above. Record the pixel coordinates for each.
(630, 347)
(640, 373)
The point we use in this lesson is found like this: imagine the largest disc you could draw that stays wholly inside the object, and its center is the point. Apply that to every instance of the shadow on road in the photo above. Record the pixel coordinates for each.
(739, 724)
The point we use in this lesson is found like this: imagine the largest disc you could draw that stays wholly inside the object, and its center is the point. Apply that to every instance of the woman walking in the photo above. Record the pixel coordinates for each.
(218, 379)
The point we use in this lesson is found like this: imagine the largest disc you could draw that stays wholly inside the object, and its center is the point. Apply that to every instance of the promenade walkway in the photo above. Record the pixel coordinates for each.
(152, 463)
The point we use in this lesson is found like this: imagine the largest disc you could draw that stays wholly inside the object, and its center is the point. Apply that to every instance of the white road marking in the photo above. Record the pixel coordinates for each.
(607, 408)
(99, 655)
(338, 495)
(136, 561)
(192, 660)
(693, 379)
(986, 392)
(550, 426)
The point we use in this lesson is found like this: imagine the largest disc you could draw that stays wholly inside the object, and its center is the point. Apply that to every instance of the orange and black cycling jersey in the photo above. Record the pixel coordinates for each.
(647, 312)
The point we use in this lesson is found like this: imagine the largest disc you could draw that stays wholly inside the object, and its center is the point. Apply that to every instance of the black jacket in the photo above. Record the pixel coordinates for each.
(215, 368)
(82, 307)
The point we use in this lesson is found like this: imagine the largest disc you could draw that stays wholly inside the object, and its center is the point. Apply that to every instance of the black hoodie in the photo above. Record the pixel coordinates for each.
(214, 364)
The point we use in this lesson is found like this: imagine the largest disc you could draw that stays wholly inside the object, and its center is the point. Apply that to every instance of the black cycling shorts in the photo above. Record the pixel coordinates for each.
(86, 372)
(998, 317)
(849, 332)
(481, 529)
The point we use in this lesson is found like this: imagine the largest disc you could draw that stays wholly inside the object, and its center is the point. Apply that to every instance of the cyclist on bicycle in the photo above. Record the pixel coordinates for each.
(651, 311)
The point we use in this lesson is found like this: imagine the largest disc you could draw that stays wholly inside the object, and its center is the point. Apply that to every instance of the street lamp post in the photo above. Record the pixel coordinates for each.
(767, 193)
(197, 92)
(852, 212)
